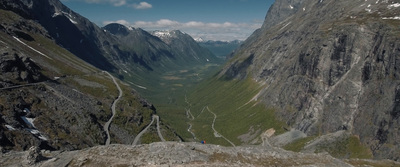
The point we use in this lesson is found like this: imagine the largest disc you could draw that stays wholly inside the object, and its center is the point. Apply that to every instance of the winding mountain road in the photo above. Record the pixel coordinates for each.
(190, 116)
(107, 125)
(216, 134)
(158, 128)
(155, 117)
(190, 131)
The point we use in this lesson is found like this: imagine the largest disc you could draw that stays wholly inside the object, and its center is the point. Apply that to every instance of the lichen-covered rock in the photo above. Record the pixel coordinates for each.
(33, 156)
(180, 154)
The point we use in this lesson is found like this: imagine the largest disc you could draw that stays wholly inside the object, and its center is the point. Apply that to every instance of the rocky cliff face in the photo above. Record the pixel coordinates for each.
(329, 65)
(67, 28)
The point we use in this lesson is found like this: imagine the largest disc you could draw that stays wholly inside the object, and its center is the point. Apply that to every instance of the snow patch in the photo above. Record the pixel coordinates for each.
(36, 132)
(304, 9)
(395, 5)
(290, 6)
(9, 127)
(28, 121)
(31, 48)
(162, 34)
(72, 21)
(56, 14)
(208, 60)
(199, 39)
(69, 16)
(26, 110)
(391, 18)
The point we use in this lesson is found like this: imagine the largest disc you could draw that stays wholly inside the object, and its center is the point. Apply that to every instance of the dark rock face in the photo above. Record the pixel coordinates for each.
(117, 29)
(66, 27)
(335, 62)
(23, 69)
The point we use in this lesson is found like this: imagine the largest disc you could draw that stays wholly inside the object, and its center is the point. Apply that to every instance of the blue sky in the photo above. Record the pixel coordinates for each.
(208, 19)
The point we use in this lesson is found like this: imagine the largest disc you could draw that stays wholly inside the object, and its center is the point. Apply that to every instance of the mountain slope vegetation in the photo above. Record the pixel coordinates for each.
(54, 100)
(328, 69)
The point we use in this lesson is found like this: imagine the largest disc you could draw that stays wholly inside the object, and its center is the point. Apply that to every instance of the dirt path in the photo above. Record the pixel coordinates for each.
(216, 134)
(107, 125)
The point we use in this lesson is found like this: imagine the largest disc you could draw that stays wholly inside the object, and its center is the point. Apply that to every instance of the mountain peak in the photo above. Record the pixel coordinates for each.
(118, 29)
(199, 39)
(167, 33)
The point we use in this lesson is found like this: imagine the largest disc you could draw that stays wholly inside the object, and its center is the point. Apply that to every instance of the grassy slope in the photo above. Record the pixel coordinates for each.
(236, 113)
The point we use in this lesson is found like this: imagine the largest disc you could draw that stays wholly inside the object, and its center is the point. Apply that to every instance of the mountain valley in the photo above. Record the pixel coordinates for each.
(317, 84)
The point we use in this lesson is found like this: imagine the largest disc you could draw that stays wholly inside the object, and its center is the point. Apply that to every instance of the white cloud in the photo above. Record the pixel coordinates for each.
(142, 5)
(113, 2)
(118, 2)
(226, 31)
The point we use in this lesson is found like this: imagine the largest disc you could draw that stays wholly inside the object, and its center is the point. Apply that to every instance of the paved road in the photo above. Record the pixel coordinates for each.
(190, 131)
(190, 116)
(107, 125)
(135, 141)
(158, 128)
(215, 131)
(155, 117)
(19, 86)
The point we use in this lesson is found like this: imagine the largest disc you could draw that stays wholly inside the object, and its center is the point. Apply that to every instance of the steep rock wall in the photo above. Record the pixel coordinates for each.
(329, 66)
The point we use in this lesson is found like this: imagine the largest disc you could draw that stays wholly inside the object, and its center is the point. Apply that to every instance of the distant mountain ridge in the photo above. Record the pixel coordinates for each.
(221, 48)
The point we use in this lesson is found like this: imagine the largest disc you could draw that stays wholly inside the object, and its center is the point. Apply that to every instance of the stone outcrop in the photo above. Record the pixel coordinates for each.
(178, 154)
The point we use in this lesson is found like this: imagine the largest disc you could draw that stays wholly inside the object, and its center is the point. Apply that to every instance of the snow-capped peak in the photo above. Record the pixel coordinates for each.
(199, 39)
(68, 15)
(162, 34)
